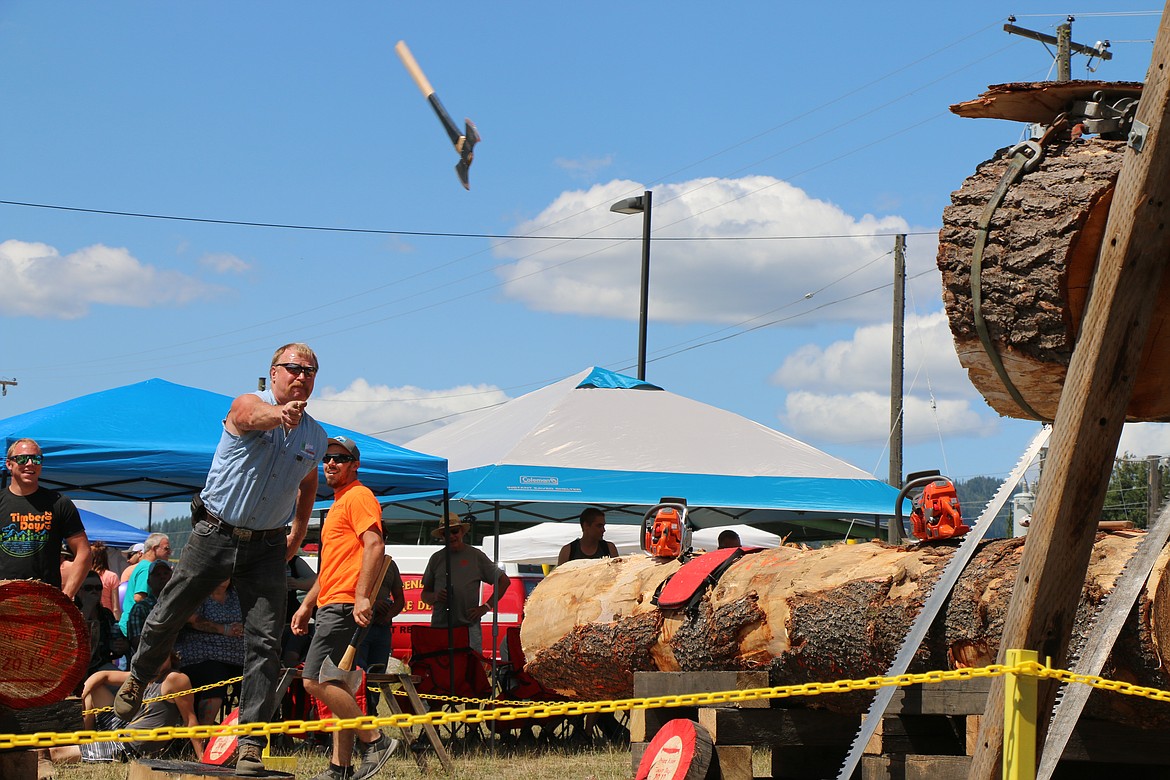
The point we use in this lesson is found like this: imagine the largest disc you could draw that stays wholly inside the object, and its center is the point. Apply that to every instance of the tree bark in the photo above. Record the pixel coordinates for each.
(820, 615)
(1039, 261)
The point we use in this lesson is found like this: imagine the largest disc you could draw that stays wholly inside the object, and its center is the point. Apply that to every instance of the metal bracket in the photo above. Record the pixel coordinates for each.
(1104, 115)
(1137, 135)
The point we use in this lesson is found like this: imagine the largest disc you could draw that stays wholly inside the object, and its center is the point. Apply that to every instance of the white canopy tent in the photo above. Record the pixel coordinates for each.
(542, 543)
(599, 438)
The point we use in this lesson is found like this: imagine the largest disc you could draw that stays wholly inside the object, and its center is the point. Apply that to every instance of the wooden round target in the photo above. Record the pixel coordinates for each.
(45, 650)
(681, 750)
(221, 749)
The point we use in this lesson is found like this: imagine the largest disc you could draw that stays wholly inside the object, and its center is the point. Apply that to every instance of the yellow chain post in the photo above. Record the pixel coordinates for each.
(1019, 719)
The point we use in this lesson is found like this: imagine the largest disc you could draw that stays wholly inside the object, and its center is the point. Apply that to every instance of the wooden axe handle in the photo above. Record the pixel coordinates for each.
(351, 651)
(413, 69)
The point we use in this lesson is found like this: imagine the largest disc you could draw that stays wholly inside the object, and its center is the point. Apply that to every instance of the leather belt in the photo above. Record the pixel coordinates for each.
(242, 534)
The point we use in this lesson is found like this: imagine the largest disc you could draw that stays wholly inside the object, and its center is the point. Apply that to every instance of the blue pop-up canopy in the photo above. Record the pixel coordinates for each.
(154, 441)
(114, 533)
(605, 439)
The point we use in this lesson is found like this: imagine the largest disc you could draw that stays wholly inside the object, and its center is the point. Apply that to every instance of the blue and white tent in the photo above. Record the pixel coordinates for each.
(606, 439)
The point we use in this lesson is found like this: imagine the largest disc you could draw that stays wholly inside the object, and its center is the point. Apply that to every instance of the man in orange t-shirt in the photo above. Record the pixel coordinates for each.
(352, 550)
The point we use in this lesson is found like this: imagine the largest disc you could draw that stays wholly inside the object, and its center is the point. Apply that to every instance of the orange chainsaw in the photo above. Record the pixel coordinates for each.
(936, 514)
(666, 533)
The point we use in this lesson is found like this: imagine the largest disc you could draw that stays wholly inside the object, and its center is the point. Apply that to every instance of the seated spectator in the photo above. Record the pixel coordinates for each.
(106, 641)
(157, 579)
(99, 693)
(212, 648)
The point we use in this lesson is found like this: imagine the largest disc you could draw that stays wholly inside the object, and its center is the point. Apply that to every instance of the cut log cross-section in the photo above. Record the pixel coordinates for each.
(45, 651)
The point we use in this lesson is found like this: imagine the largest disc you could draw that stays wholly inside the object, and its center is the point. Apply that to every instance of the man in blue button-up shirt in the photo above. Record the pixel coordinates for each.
(263, 478)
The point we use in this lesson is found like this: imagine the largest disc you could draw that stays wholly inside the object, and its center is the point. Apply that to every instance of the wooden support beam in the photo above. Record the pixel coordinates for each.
(1092, 407)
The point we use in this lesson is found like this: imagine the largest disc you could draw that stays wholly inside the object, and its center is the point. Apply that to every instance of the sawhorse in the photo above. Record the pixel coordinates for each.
(387, 683)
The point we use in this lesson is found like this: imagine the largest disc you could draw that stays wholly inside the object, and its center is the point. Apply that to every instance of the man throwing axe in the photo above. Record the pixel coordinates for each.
(349, 572)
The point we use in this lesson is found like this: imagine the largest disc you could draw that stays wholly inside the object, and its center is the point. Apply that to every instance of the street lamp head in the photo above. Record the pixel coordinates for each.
(633, 205)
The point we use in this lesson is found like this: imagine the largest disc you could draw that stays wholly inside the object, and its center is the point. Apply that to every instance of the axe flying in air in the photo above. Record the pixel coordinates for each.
(464, 142)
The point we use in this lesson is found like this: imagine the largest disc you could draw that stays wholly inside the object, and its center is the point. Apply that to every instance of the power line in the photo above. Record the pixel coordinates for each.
(424, 233)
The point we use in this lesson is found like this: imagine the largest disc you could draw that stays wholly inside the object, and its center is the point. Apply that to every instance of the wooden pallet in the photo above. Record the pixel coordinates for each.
(929, 732)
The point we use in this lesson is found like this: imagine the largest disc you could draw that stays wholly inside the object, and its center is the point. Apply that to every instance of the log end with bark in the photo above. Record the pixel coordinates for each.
(1037, 270)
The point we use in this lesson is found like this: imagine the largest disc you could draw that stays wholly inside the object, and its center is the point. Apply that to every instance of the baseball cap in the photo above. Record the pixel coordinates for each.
(348, 443)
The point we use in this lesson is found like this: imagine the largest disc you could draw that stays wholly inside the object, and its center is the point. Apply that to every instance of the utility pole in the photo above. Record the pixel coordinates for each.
(897, 368)
(1065, 47)
(1153, 487)
(4, 383)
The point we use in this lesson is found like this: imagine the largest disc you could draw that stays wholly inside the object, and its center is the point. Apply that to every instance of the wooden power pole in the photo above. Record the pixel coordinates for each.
(897, 369)
(1065, 47)
(1089, 418)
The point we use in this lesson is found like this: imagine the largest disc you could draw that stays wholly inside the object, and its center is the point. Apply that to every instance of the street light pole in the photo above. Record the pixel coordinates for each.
(641, 204)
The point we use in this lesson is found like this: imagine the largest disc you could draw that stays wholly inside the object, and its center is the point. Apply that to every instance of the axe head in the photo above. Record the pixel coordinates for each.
(466, 148)
(332, 673)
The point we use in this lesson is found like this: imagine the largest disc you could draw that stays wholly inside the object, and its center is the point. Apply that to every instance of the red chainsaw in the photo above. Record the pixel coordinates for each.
(936, 515)
(666, 533)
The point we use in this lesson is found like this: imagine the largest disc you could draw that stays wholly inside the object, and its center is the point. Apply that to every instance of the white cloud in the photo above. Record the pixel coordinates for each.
(41, 282)
(711, 281)
(1142, 439)
(864, 418)
(584, 168)
(393, 413)
(840, 392)
(223, 263)
(863, 362)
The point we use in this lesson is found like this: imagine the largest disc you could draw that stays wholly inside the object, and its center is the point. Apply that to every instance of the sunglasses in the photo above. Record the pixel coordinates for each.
(24, 460)
(331, 458)
(296, 369)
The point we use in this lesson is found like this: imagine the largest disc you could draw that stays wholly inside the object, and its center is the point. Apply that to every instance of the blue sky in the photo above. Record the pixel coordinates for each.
(783, 126)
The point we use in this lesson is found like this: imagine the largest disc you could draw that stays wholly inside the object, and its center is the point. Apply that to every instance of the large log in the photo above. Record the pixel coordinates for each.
(803, 615)
(1039, 261)
(45, 650)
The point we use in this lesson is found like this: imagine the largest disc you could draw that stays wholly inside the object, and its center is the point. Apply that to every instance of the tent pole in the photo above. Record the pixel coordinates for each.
(495, 614)
(150, 517)
(450, 593)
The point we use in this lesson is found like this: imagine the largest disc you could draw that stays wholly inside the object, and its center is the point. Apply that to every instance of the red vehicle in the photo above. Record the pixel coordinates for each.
(412, 562)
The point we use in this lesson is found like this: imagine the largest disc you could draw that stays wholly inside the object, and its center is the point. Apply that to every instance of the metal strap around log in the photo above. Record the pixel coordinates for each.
(1025, 157)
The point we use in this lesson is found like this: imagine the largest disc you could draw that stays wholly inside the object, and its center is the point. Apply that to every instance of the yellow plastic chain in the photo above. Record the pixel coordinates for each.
(554, 709)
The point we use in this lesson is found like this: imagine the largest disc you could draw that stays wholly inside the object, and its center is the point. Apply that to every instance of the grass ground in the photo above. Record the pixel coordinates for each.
(608, 762)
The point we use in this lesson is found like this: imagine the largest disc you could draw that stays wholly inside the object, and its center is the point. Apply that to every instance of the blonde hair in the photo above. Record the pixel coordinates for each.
(12, 447)
(299, 349)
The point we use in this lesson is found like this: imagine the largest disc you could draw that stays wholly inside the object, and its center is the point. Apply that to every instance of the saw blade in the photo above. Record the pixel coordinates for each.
(1099, 641)
(938, 596)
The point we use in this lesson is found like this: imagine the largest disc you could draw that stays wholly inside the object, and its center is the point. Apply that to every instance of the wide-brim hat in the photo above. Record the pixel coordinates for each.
(450, 521)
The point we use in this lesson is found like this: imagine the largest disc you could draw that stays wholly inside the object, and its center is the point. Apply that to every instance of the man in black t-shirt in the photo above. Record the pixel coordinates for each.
(33, 523)
(592, 543)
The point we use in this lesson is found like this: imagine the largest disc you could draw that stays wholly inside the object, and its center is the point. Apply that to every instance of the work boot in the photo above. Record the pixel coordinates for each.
(334, 772)
(128, 699)
(250, 762)
(374, 756)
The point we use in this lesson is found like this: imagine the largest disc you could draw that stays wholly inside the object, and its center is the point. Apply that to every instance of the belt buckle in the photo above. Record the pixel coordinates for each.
(243, 534)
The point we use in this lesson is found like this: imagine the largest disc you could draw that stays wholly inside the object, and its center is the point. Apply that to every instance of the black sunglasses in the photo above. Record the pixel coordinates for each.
(22, 460)
(296, 369)
(329, 456)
